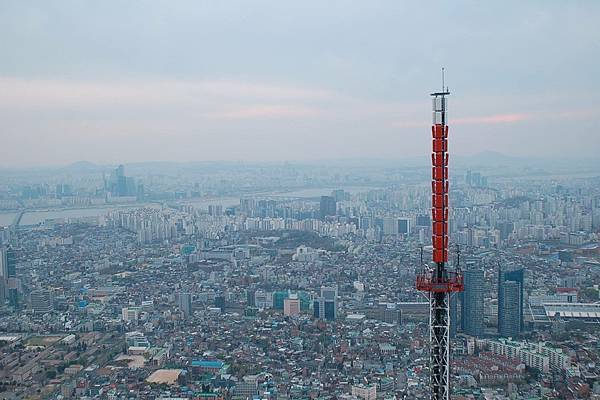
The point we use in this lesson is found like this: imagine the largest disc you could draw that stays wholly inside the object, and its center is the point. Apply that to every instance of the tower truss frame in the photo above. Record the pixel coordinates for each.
(438, 282)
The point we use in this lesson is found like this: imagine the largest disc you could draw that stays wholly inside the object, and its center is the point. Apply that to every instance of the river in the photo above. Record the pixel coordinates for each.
(36, 217)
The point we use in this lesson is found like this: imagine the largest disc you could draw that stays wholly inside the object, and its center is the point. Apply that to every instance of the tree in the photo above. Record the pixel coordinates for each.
(589, 294)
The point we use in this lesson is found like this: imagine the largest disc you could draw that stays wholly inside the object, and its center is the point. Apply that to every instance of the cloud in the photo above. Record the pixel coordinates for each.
(492, 119)
(213, 99)
(508, 118)
(266, 111)
(219, 119)
(478, 120)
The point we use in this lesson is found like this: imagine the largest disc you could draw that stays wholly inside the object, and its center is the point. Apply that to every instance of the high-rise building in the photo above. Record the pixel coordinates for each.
(63, 189)
(3, 275)
(291, 306)
(423, 220)
(472, 310)
(327, 207)
(318, 310)
(453, 301)
(140, 191)
(246, 389)
(220, 302)
(8, 275)
(325, 306)
(279, 298)
(505, 228)
(365, 392)
(514, 276)
(250, 300)
(390, 226)
(391, 314)
(121, 181)
(403, 226)
(509, 304)
(41, 301)
(339, 195)
(305, 299)
(329, 299)
(184, 302)
(130, 314)
(330, 312)
(263, 299)
(215, 209)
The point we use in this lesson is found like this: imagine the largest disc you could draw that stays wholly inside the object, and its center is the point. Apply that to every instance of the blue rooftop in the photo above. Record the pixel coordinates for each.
(207, 364)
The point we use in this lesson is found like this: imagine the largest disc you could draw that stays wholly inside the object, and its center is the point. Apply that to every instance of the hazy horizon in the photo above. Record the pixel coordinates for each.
(115, 83)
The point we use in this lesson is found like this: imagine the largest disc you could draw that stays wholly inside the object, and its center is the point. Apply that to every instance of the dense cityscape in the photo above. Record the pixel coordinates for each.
(117, 286)
(299, 200)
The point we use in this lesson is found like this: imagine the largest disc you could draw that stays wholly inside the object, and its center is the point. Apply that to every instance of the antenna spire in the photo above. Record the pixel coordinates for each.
(443, 86)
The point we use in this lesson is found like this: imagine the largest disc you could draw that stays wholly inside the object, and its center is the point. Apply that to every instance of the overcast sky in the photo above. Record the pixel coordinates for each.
(125, 81)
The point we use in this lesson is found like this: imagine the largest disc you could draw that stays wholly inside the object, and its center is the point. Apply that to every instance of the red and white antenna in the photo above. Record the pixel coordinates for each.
(438, 282)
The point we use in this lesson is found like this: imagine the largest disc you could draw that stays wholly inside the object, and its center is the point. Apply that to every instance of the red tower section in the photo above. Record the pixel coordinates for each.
(439, 188)
(439, 280)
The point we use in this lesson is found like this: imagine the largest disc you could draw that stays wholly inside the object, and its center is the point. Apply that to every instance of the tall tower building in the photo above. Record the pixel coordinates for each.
(318, 308)
(184, 302)
(509, 324)
(3, 275)
(279, 298)
(453, 301)
(472, 302)
(517, 276)
(250, 300)
(220, 302)
(8, 275)
(325, 307)
(327, 207)
(291, 306)
(404, 226)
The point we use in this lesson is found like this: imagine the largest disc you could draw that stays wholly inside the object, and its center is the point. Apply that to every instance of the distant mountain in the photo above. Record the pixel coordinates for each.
(490, 163)
(82, 166)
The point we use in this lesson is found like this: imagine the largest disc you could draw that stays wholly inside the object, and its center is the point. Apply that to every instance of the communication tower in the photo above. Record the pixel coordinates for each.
(438, 283)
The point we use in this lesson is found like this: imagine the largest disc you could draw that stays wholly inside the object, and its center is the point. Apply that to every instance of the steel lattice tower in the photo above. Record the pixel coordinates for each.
(438, 282)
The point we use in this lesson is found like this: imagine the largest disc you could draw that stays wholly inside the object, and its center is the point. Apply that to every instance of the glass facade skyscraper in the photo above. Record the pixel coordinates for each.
(472, 302)
(327, 207)
(8, 274)
(516, 276)
(510, 325)
(325, 307)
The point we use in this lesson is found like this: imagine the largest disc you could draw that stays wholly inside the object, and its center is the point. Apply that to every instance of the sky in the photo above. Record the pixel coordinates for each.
(131, 81)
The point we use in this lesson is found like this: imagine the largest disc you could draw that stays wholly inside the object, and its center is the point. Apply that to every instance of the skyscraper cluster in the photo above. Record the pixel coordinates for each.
(510, 294)
(119, 185)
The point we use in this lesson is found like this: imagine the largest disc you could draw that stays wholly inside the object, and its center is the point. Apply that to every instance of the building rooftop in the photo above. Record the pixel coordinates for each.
(573, 310)
(207, 363)
(167, 376)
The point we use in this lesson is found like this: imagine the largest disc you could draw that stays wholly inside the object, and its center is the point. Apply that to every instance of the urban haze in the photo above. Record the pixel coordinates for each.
(277, 200)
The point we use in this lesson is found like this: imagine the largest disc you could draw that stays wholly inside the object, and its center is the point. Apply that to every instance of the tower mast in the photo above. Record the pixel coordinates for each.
(438, 282)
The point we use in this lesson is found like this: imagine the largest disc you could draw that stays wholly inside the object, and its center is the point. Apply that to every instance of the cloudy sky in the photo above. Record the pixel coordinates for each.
(125, 81)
